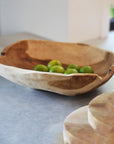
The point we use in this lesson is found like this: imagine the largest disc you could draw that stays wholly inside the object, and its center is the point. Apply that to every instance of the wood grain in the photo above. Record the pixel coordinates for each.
(93, 124)
(78, 131)
(101, 114)
(26, 54)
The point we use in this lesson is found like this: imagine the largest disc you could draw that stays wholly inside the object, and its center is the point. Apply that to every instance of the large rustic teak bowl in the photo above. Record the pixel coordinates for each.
(18, 60)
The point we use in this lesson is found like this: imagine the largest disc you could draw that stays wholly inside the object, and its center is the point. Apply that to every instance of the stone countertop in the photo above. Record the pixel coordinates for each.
(29, 116)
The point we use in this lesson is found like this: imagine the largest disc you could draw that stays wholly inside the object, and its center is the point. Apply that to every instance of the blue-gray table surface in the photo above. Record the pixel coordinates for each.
(29, 116)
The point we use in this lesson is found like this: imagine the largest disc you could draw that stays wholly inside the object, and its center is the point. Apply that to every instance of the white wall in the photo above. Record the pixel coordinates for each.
(48, 18)
(88, 19)
(59, 20)
(0, 16)
(84, 19)
(105, 17)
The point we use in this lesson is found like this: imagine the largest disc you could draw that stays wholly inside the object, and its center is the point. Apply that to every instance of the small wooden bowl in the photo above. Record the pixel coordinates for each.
(101, 114)
(18, 60)
(77, 129)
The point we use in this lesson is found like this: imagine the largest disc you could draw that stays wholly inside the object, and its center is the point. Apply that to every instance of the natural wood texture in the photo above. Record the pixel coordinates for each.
(93, 124)
(101, 114)
(24, 55)
(78, 131)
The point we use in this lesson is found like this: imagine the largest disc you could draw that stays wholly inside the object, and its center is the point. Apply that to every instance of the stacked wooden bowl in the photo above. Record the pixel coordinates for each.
(92, 124)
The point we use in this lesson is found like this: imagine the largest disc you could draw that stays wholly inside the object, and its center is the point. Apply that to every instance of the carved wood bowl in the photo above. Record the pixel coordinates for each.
(18, 60)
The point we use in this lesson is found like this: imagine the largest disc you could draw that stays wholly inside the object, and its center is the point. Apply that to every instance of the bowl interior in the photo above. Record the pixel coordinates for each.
(28, 53)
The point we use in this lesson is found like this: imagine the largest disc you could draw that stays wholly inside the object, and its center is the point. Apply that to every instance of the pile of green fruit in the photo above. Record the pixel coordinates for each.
(55, 66)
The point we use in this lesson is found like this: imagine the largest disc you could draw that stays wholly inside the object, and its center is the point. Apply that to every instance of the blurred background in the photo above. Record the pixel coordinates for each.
(58, 20)
(26, 115)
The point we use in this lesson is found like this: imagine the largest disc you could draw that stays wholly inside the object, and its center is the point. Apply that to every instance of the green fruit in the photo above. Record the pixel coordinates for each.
(53, 63)
(70, 71)
(41, 67)
(86, 69)
(74, 66)
(57, 69)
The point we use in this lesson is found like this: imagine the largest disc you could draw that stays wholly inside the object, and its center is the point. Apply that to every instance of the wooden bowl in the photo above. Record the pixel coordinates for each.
(92, 124)
(18, 60)
(101, 114)
(77, 129)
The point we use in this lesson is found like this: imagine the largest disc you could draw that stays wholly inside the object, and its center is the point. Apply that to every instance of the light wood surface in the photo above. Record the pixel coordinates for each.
(101, 114)
(93, 124)
(77, 129)
(26, 54)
